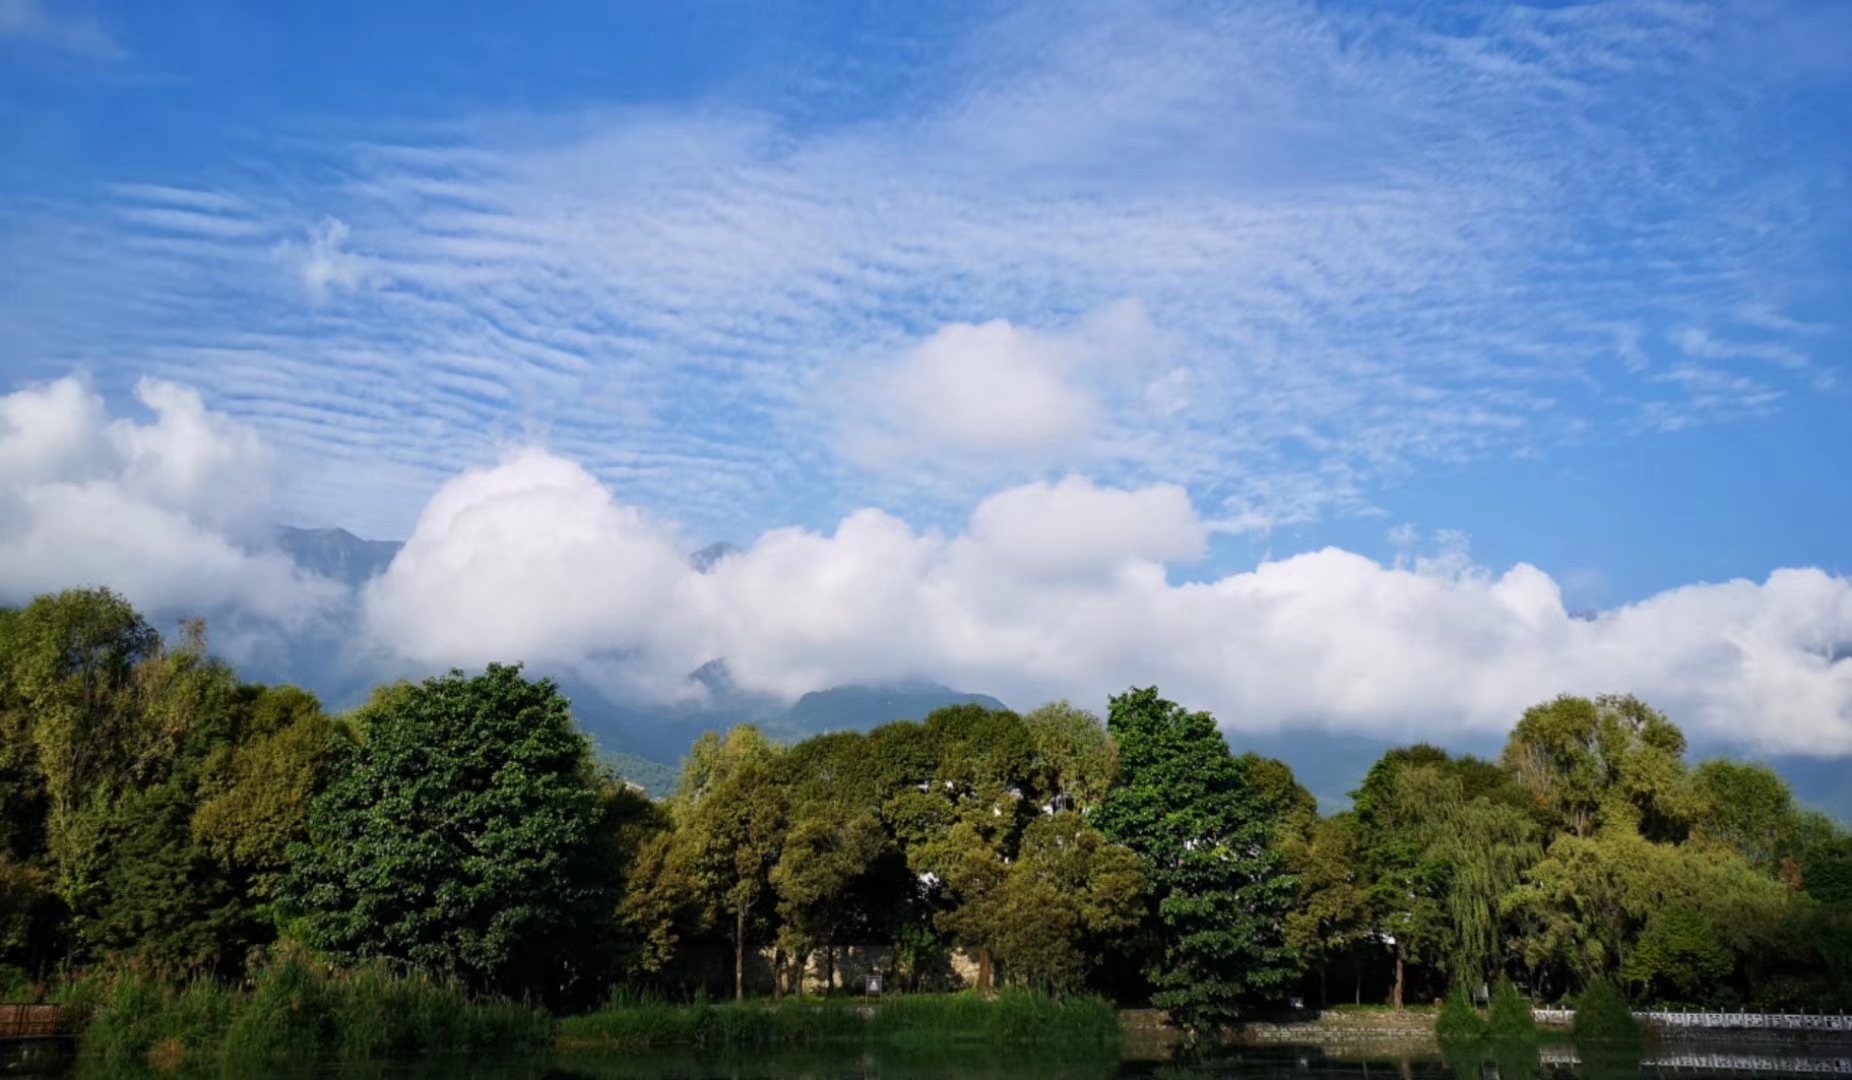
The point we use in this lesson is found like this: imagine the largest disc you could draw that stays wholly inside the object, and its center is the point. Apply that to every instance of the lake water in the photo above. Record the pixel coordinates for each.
(1550, 1063)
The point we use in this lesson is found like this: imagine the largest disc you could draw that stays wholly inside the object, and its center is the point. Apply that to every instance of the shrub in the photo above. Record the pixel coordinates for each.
(1459, 1021)
(1602, 1015)
(1510, 1018)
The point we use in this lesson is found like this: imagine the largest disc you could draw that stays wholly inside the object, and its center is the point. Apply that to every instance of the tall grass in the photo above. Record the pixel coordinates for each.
(1013, 1016)
(936, 1020)
(294, 1012)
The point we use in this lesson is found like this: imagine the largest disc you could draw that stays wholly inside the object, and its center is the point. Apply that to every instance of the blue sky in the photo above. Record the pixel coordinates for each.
(1441, 284)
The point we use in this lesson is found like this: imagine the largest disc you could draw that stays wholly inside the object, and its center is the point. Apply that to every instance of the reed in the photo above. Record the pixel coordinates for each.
(297, 1012)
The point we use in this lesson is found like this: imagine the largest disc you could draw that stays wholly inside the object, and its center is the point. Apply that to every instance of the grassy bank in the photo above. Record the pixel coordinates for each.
(300, 1013)
(940, 1020)
(293, 1012)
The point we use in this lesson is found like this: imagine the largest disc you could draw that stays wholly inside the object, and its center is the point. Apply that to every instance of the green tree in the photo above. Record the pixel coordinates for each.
(1068, 890)
(459, 836)
(1332, 917)
(731, 814)
(1746, 808)
(254, 793)
(1678, 956)
(70, 699)
(1587, 762)
(979, 783)
(1405, 878)
(1480, 848)
(1189, 809)
(1076, 753)
(825, 854)
(1583, 908)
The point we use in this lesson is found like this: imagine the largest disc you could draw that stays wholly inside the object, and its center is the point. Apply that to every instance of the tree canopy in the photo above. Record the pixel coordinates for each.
(157, 810)
(457, 834)
(1219, 890)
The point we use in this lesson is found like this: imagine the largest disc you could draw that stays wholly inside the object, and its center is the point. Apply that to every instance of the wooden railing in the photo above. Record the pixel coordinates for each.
(1721, 1021)
(32, 1021)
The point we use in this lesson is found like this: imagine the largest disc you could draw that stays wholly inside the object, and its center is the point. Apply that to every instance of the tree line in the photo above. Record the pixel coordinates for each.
(157, 811)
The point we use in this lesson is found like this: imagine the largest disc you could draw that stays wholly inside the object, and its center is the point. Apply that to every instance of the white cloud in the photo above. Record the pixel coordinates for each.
(1050, 590)
(1698, 342)
(324, 263)
(1077, 529)
(530, 560)
(1061, 591)
(33, 21)
(999, 398)
(171, 512)
(983, 390)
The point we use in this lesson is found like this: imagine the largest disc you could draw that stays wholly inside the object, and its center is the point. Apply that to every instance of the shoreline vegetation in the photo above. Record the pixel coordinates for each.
(391, 880)
(300, 1013)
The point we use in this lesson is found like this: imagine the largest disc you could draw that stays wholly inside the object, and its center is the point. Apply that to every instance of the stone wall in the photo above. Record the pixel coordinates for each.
(1339, 1033)
(1339, 1030)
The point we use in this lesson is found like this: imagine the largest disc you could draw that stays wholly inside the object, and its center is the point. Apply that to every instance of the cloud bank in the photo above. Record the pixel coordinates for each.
(1063, 590)
(172, 512)
(1049, 589)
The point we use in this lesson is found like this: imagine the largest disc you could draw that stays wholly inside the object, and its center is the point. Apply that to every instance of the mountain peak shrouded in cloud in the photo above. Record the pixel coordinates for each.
(337, 554)
(704, 559)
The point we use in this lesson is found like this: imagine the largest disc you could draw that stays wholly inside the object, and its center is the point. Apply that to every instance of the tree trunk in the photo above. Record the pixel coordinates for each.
(1401, 977)
(983, 970)
(1324, 996)
(778, 974)
(829, 968)
(739, 955)
(1356, 974)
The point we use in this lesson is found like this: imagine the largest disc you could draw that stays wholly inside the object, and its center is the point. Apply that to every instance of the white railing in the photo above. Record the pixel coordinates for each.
(1757, 1063)
(1727, 1021)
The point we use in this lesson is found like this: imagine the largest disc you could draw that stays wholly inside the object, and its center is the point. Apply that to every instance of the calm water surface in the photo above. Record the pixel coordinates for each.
(1549, 1063)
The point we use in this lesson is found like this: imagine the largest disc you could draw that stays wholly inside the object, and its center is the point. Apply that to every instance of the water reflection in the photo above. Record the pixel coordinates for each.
(1486, 1061)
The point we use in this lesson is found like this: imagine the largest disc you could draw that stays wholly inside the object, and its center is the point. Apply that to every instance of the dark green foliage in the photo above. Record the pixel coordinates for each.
(1012, 1017)
(1219, 890)
(1826, 870)
(1510, 1018)
(459, 837)
(1678, 956)
(160, 815)
(146, 794)
(1746, 807)
(1459, 1020)
(1602, 1016)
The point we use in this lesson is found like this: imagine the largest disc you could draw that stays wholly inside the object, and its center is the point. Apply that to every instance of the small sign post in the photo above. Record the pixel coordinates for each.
(874, 986)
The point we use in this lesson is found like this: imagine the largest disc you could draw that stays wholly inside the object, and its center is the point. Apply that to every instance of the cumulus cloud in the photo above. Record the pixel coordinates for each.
(1063, 590)
(531, 560)
(990, 394)
(171, 511)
